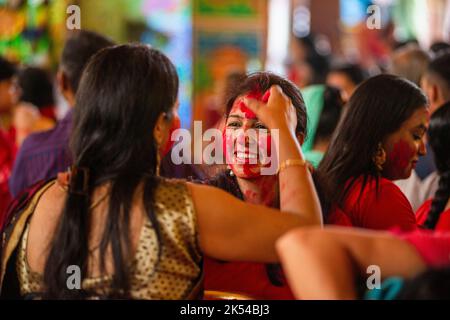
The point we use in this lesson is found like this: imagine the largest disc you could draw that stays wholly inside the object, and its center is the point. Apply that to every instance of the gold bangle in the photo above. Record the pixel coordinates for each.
(291, 163)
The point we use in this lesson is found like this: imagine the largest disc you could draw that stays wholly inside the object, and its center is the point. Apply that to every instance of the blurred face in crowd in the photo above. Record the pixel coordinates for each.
(301, 74)
(340, 81)
(436, 91)
(9, 94)
(405, 146)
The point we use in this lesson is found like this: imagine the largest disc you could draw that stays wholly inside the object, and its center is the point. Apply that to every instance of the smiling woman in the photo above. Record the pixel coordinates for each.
(379, 139)
(246, 180)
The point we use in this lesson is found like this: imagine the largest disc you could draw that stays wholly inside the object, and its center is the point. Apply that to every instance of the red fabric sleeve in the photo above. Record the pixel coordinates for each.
(444, 221)
(247, 278)
(388, 208)
(422, 215)
(7, 152)
(433, 247)
(422, 212)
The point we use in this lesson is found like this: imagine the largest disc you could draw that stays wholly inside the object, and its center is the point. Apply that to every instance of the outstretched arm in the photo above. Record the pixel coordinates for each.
(232, 230)
(324, 264)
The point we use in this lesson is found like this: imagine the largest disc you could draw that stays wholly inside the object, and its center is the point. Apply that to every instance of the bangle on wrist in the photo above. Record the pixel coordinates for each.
(291, 163)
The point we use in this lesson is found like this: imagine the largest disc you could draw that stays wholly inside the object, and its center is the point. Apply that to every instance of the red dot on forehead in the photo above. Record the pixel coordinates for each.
(249, 114)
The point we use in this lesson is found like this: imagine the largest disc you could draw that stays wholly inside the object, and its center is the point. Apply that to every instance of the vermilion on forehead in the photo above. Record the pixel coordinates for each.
(259, 96)
(239, 104)
(241, 109)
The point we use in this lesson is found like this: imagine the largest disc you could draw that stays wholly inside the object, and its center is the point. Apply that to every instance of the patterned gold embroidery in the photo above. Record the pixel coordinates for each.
(179, 269)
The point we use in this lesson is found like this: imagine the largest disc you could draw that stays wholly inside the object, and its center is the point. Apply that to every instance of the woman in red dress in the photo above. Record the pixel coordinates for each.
(379, 139)
(435, 213)
(8, 99)
(7, 153)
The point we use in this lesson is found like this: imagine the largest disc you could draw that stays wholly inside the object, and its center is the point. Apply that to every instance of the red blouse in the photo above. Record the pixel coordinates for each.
(246, 278)
(422, 215)
(380, 209)
(7, 154)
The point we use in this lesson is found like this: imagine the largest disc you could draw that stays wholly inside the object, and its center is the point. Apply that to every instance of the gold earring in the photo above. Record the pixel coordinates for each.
(379, 158)
(158, 160)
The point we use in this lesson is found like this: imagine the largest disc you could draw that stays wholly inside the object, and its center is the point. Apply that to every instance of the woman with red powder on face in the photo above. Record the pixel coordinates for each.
(379, 140)
(245, 180)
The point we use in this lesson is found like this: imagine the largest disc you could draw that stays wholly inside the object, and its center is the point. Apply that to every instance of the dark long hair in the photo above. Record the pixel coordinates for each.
(123, 91)
(330, 115)
(432, 284)
(439, 139)
(261, 82)
(378, 108)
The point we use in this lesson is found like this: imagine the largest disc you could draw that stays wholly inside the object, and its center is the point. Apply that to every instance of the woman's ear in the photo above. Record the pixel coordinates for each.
(380, 157)
(434, 93)
(160, 129)
(65, 87)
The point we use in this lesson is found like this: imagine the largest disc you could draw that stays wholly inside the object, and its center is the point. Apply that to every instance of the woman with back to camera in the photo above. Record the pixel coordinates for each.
(132, 233)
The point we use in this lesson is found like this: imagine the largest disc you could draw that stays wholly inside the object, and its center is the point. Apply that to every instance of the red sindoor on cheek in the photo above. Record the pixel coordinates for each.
(176, 124)
(228, 143)
(400, 159)
(265, 143)
(247, 170)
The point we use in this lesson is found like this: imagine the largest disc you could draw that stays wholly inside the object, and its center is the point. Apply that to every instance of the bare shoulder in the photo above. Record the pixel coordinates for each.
(50, 203)
(43, 224)
(202, 190)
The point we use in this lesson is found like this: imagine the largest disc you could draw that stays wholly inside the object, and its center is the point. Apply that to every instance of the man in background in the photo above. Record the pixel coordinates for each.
(43, 155)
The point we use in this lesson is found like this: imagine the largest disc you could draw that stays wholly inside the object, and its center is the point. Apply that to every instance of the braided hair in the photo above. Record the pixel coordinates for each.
(439, 138)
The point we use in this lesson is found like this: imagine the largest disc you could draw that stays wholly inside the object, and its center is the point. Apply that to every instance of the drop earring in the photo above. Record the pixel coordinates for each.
(158, 158)
(231, 173)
